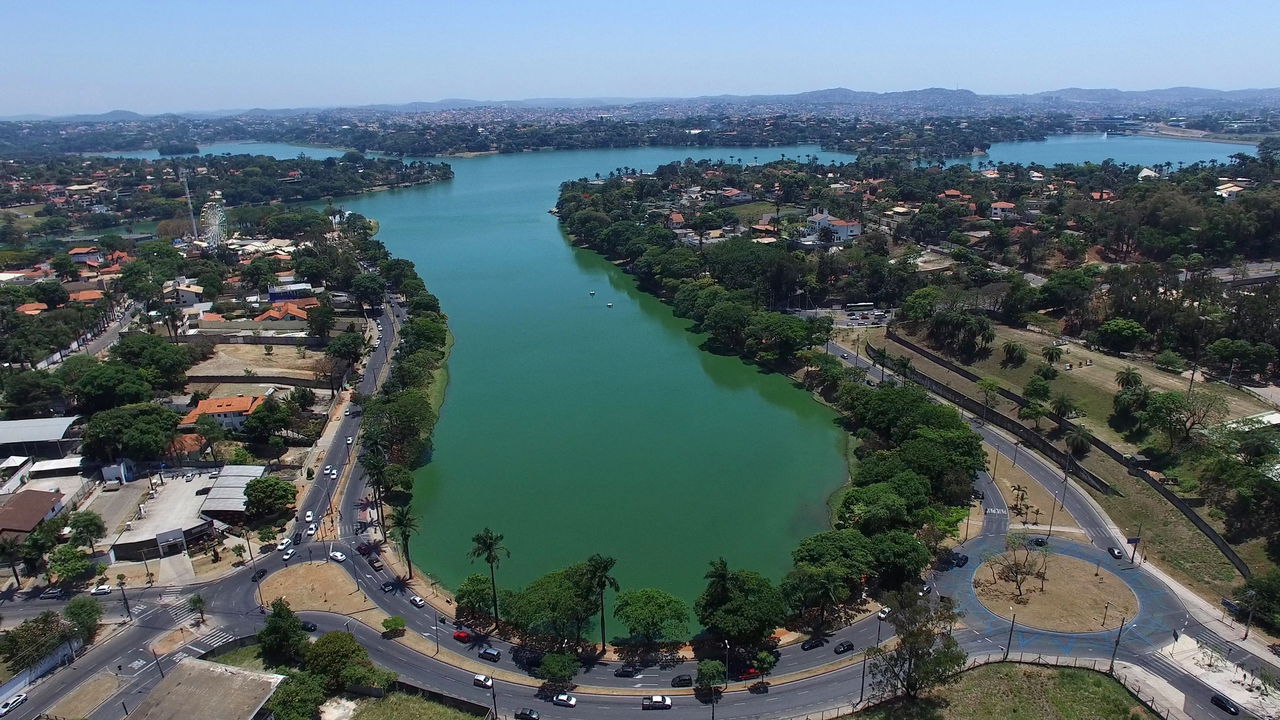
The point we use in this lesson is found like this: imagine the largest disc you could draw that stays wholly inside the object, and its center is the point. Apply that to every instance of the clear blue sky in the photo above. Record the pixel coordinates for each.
(70, 56)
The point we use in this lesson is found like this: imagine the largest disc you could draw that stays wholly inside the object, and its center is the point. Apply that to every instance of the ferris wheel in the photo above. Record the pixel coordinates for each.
(213, 219)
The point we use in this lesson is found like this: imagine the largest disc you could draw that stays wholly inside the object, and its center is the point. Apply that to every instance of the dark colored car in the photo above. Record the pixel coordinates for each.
(308, 626)
(258, 575)
(388, 586)
(626, 671)
(297, 538)
(491, 654)
(1116, 553)
(1039, 541)
(364, 549)
(961, 560)
(374, 562)
(682, 681)
(844, 647)
(811, 643)
(527, 714)
(1225, 704)
(979, 495)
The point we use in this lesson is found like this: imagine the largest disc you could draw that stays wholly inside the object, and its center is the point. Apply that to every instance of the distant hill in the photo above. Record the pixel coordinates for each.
(932, 100)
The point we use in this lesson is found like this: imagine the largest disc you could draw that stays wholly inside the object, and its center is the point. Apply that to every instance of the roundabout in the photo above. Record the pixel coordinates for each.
(1066, 595)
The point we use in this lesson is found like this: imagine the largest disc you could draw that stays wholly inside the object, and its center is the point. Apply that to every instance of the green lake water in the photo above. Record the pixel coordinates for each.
(575, 428)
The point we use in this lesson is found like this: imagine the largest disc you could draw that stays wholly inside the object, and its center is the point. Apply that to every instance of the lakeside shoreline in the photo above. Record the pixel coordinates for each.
(1211, 139)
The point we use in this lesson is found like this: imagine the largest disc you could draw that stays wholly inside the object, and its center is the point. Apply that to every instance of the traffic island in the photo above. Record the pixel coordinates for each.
(1074, 596)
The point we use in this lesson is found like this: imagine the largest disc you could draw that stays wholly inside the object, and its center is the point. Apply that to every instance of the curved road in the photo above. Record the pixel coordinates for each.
(234, 608)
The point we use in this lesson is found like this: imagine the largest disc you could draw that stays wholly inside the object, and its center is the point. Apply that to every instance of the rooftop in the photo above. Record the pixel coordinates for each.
(201, 690)
(26, 508)
(35, 430)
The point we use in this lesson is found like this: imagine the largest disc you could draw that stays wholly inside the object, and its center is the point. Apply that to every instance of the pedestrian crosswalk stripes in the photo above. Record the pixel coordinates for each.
(216, 638)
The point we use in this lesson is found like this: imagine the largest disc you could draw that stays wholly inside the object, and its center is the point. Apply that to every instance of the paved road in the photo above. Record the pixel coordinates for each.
(234, 611)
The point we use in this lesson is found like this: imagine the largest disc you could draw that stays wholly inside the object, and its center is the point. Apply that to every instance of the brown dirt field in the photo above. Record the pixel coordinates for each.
(87, 697)
(180, 637)
(1075, 598)
(319, 586)
(1037, 498)
(284, 360)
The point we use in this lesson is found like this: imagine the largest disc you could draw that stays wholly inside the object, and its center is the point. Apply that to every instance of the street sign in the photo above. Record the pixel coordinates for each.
(1134, 541)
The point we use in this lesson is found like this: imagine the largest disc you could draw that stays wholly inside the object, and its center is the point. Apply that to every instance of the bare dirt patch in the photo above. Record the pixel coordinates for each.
(1077, 597)
(233, 359)
(1029, 502)
(88, 696)
(320, 586)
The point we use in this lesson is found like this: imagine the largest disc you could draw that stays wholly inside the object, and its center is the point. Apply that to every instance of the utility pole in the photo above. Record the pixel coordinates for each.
(1053, 509)
(1138, 539)
(1116, 648)
(1248, 620)
(157, 658)
(862, 690)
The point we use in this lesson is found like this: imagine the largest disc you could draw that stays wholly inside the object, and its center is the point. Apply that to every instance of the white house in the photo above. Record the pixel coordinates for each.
(841, 230)
(1001, 210)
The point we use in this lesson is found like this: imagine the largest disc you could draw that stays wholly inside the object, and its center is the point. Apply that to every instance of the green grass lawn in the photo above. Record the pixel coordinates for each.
(398, 706)
(750, 213)
(1021, 692)
(247, 657)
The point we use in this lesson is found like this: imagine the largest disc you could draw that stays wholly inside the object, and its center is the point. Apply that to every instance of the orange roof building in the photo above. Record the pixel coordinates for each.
(230, 412)
(32, 308)
(87, 296)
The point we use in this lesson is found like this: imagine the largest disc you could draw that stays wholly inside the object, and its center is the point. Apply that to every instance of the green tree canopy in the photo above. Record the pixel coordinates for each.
(652, 615)
(268, 495)
(142, 431)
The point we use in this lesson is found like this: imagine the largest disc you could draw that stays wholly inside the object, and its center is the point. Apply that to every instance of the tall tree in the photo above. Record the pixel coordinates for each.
(487, 545)
(403, 526)
(926, 656)
(598, 569)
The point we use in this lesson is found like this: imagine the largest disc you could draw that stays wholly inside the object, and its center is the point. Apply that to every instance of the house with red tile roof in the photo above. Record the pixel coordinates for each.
(32, 308)
(1001, 209)
(89, 254)
(230, 412)
(284, 311)
(87, 297)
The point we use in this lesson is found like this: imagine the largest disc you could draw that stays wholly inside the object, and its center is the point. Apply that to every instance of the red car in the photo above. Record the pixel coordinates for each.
(749, 674)
(462, 636)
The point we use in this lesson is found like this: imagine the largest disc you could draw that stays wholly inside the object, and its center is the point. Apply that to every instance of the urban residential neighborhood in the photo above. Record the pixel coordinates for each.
(860, 382)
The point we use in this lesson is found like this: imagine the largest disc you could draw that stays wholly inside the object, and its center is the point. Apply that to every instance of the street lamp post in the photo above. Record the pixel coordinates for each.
(1017, 445)
(1248, 620)
(1054, 507)
(493, 692)
(253, 562)
(1105, 608)
(1116, 648)
(863, 689)
(1009, 644)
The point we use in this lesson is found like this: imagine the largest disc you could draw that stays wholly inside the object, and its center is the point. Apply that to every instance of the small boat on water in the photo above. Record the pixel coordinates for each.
(610, 305)
(592, 293)
(553, 211)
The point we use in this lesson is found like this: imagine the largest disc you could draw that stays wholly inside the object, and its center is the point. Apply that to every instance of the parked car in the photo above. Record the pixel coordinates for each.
(811, 643)
(844, 647)
(656, 702)
(309, 516)
(626, 671)
(337, 556)
(491, 654)
(1225, 704)
(101, 590)
(257, 575)
(53, 593)
(417, 602)
(14, 701)
(289, 554)
(749, 674)
(388, 586)
(309, 626)
(462, 636)
(564, 700)
(483, 681)
(527, 714)
(884, 613)
(682, 681)
(1116, 553)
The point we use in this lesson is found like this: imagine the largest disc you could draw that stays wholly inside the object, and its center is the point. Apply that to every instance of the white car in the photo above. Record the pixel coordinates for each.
(328, 469)
(564, 700)
(346, 412)
(284, 543)
(288, 554)
(337, 556)
(350, 439)
(14, 701)
(483, 681)
(101, 590)
(311, 529)
(309, 516)
(417, 602)
(884, 612)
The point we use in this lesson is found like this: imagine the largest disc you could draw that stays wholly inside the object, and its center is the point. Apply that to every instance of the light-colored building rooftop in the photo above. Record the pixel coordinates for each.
(201, 690)
(35, 430)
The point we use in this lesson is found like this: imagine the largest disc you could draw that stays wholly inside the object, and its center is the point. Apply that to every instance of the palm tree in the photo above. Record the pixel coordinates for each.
(598, 569)
(487, 545)
(403, 526)
(1062, 406)
(718, 577)
(1015, 353)
(10, 551)
(375, 464)
(1078, 440)
(1128, 377)
(196, 603)
(1051, 353)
